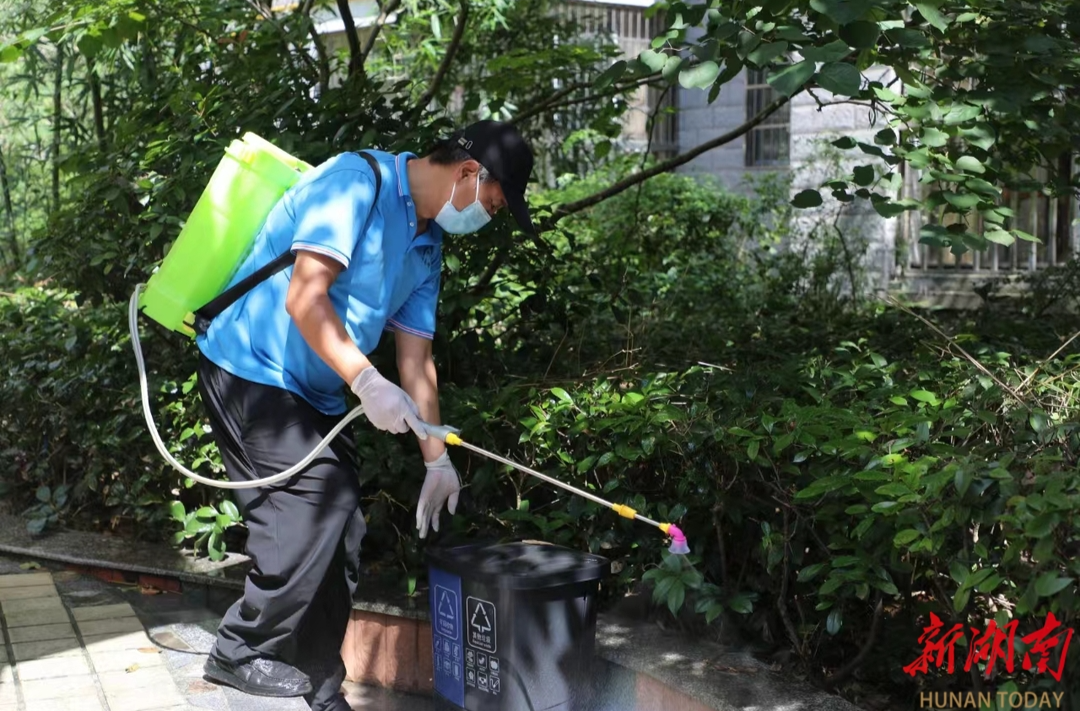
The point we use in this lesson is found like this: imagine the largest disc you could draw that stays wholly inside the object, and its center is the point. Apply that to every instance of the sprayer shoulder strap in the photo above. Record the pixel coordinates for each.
(227, 298)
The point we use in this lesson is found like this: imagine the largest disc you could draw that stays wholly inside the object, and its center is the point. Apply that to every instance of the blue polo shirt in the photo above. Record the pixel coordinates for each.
(390, 279)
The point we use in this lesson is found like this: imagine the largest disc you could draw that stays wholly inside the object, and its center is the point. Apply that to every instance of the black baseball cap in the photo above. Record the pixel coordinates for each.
(502, 149)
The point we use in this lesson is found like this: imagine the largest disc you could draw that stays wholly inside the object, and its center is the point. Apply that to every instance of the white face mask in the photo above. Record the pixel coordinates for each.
(463, 222)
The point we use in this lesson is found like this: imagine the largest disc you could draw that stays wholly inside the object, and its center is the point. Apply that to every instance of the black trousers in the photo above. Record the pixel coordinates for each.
(303, 535)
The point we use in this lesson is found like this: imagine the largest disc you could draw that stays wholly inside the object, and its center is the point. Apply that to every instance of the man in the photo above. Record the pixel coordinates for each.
(273, 369)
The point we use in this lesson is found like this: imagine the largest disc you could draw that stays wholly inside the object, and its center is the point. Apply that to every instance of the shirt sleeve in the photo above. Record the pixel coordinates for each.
(331, 211)
(417, 315)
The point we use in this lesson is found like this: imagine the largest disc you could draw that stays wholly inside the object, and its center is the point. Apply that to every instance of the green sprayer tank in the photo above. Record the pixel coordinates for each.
(218, 235)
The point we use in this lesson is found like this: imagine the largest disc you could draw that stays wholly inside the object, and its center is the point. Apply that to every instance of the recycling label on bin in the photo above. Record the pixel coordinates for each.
(446, 628)
(481, 619)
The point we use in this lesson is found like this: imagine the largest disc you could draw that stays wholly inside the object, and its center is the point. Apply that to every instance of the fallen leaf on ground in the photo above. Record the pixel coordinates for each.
(30, 566)
(132, 668)
(149, 650)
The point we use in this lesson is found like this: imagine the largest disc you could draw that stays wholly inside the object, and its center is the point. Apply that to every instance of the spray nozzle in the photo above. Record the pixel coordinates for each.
(678, 545)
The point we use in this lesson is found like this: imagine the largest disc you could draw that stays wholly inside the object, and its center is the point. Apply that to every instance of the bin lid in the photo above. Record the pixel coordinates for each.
(520, 566)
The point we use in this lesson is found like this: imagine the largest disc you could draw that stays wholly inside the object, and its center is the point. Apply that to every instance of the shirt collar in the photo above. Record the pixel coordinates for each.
(434, 233)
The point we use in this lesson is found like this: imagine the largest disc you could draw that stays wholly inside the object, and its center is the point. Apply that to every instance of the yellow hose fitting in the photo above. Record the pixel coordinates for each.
(453, 439)
(665, 527)
(624, 511)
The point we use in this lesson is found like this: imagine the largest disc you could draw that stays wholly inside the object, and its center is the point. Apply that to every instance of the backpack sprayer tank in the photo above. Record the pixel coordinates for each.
(219, 233)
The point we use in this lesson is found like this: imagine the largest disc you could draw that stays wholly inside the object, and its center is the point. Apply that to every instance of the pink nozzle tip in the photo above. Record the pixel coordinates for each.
(678, 541)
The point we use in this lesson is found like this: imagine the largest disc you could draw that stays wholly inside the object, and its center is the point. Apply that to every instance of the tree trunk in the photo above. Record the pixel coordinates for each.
(95, 100)
(350, 35)
(57, 107)
(11, 249)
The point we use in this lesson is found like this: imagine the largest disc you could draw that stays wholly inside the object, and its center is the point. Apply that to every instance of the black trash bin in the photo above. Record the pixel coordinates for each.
(513, 625)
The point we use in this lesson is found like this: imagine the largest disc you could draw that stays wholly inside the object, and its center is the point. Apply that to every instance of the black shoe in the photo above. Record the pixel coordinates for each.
(260, 677)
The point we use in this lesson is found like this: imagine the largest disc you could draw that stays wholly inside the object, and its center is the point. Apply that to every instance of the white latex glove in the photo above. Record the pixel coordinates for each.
(441, 486)
(387, 406)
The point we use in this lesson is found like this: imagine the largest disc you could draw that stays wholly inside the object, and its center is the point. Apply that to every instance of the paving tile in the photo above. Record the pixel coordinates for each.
(29, 618)
(29, 651)
(116, 642)
(8, 694)
(28, 593)
(9, 707)
(53, 668)
(117, 682)
(6, 677)
(91, 628)
(139, 700)
(42, 633)
(27, 604)
(118, 661)
(102, 612)
(25, 580)
(61, 687)
(83, 703)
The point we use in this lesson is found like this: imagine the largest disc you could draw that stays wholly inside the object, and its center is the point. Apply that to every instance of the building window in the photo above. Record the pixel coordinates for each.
(767, 144)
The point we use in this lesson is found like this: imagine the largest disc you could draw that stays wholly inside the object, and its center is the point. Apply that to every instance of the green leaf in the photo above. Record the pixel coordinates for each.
(1041, 525)
(894, 489)
(885, 137)
(229, 509)
(962, 201)
(970, 164)
(742, 604)
(1038, 422)
(752, 450)
(1050, 584)
(840, 78)
(676, 596)
(176, 510)
(924, 396)
(610, 75)
(216, 546)
(834, 621)
(842, 11)
(863, 174)
(672, 67)
(699, 76)
(789, 80)
(832, 52)
(905, 537)
(861, 34)
(908, 38)
(960, 600)
(999, 237)
(930, 12)
(654, 60)
(807, 198)
(562, 395)
(810, 572)
(43, 494)
(845, 143)
(767, 52)
(933, 138)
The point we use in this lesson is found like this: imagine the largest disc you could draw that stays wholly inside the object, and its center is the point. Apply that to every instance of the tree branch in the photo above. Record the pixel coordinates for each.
(631, 180)
(448, 58)
(384, 13)
(552, 101)
(304, 12)
(351, 35)
(852, 666)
